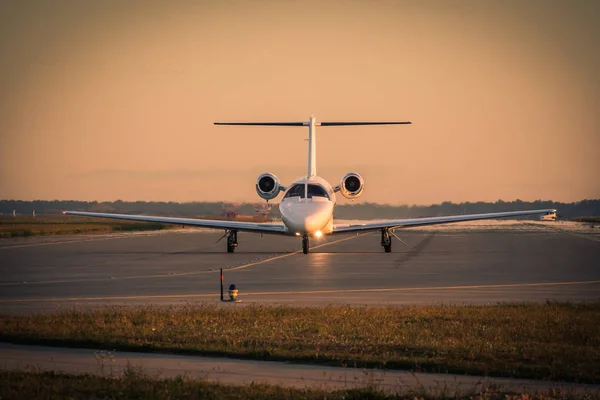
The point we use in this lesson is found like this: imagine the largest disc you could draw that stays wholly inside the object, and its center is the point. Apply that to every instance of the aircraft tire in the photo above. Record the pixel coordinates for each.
(305, 245)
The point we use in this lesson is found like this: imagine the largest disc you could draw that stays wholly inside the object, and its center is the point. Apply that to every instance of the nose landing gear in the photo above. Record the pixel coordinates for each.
(231, 241)
(305, 244)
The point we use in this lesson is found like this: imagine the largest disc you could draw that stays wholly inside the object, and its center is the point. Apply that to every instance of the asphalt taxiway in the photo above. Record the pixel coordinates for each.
(473, 265)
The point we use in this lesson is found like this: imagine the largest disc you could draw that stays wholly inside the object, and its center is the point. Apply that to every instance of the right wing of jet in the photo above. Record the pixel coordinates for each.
(406, 223)
(201, 223)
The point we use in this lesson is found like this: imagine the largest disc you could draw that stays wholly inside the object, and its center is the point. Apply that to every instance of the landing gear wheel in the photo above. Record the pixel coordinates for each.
(386, 240)
(230, 248)
(305, 244)
(231, 241)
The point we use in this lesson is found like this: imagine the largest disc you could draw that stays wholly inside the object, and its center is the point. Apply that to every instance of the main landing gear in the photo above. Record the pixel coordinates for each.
(305, 244)
(231, 241)
(386, 240)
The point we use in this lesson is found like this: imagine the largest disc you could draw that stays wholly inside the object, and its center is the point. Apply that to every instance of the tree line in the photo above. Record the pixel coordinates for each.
(582, 208)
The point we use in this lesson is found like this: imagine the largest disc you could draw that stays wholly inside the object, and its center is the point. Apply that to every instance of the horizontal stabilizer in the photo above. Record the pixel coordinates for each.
(264, 123)
(316, 123)
(363, 123)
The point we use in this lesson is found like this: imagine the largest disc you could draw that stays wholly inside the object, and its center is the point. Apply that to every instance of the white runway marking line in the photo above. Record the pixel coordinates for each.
(294, 253)
(332, 291)
(175, 274)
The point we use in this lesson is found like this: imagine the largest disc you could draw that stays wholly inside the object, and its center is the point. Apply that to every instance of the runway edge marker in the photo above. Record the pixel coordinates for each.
(221, 284)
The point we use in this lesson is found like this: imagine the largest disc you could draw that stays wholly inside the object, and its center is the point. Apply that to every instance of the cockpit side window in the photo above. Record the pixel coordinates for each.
(295, 191)
(316, 191)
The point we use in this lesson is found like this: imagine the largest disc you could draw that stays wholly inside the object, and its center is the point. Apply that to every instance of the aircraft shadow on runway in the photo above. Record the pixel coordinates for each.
(416, 250)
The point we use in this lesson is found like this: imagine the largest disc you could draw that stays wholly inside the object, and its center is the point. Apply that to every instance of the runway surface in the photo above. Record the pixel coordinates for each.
(475, 264)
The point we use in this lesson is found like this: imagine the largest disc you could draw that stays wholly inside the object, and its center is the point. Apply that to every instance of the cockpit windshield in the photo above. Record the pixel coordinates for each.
(295, 191)
(316, 191)
(298, 190)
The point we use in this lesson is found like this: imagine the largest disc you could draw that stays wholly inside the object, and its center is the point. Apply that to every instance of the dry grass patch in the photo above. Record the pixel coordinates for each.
(134, 384)
(550, 341)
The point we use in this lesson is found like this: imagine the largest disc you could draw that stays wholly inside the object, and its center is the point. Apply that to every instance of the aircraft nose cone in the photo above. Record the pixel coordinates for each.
(306, 217)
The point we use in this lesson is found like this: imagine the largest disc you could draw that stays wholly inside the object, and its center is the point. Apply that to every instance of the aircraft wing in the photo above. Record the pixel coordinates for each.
(201, 223)
(405, 223)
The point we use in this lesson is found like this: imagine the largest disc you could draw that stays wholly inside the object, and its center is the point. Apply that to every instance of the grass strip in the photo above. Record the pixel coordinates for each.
(554, 341)
(588, 219)
(67, 225)
(134, 384)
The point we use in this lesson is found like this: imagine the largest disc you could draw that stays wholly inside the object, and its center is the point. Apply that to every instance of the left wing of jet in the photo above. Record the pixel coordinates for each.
(405, 223)
(201, 223)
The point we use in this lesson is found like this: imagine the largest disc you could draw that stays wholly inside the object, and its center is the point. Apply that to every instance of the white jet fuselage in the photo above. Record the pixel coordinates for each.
(307, 207)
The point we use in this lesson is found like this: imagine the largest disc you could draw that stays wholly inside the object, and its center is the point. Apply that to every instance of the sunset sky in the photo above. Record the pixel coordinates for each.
(107, 100)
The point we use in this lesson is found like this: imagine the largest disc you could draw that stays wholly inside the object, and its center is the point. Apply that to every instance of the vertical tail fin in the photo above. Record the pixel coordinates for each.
(312, 148)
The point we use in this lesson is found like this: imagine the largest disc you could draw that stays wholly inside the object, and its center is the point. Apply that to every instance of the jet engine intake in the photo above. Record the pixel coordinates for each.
(267, 186)
(352, 185)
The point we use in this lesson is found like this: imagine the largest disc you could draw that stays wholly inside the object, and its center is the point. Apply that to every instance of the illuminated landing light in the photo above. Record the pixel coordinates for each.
(297, 233)
(318, 233)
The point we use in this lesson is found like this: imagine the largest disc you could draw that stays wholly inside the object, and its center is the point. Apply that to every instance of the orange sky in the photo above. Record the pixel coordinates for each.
(115, 100)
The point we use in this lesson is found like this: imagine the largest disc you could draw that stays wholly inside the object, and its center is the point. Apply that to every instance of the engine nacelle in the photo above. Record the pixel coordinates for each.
(351, 186)
(267, 186)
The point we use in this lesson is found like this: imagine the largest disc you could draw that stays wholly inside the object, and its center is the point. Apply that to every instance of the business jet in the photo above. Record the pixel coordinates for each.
(307, 204)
